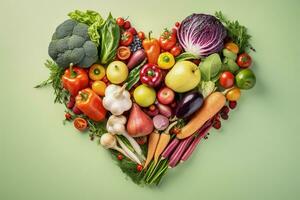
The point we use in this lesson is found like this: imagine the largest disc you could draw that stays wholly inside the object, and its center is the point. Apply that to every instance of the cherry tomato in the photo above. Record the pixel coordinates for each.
(120, 157)
(127, 25)
(232, 47)
(233, 94)
(120, 21)
(123, 53)
(132, 30)
(175, 130)
(226, 79)
(80, 123)
(68, 116)
(176, 50)
(126, 38)
(141, 140)
(177, 24)
(139, 168)
(141, 35)
(244, 60)
(99, 87)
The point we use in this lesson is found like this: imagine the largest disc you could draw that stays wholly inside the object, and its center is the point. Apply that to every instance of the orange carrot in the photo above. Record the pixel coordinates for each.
(152, 144)
(212, 105)
(164, 140)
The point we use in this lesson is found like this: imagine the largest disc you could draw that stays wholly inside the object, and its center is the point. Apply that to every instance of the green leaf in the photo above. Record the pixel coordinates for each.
(206, 88)
(185, 56)
(134, 75)
(210, 67)
(109, 40)
(91, 18)
(230, 65)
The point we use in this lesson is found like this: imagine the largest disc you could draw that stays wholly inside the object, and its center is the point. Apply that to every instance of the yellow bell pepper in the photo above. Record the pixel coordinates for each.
(96, 72)
(166, 60)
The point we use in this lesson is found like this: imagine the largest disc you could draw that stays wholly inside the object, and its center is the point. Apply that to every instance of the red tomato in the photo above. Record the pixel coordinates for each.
(244, 60)
(141, 35)
(127, 24)
(120, 157)
(177, 24)
(80, 123)
(120, 21)
(132, 30)
(176, 50)
(68, 116)
(126, 38)
(123, 53)
(226, 79)
(168, 39)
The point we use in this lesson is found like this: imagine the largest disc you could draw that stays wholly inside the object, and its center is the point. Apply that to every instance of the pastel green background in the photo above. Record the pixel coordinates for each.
(254, 156)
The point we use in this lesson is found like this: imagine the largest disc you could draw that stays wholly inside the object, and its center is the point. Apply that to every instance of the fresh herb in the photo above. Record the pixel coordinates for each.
(237, 32)
(96, 129)
(56, 72)
(134, 76)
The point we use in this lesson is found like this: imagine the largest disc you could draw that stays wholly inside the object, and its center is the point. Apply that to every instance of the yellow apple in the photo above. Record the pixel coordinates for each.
(184, 76)
(144, 95)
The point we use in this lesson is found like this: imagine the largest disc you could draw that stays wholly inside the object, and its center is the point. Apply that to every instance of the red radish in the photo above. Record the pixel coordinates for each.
(181, 148)
(139, 123)
(160, 122)
(170, 148)
(164, 109)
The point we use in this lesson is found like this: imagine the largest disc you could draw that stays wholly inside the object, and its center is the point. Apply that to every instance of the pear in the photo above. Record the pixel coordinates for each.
(183, 77)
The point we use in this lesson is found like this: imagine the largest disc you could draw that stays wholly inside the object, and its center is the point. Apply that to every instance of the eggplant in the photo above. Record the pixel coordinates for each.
(189, 104)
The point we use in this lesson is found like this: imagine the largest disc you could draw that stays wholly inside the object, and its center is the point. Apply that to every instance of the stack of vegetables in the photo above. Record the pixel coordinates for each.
(149, 101)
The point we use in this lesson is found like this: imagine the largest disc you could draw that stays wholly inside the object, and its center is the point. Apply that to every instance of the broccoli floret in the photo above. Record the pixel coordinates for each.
(71, 44)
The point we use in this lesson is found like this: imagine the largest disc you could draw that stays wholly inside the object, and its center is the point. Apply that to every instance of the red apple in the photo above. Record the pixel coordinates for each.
(165, 95)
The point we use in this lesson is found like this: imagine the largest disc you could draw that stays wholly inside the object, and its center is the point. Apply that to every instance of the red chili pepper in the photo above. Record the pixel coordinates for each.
(90, 104)
(151, 75)
(75, 79)
(167, 40)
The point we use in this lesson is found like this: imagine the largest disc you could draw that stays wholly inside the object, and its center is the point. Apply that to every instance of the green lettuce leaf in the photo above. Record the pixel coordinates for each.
(91, 18)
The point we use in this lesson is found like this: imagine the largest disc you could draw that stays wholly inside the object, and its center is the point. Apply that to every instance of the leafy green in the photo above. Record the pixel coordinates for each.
(91, 18)
(230, 65)
(56, 72)
(237, 32)
(134, 75)
(210, 67)
(206, 88)
(109, 40)
(185, 56)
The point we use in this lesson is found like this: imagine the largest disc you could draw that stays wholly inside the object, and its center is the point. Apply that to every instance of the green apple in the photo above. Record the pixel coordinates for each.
(144, 95)
(184, 76)
(117, 72)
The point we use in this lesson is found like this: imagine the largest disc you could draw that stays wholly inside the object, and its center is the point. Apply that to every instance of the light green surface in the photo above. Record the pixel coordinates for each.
(254, 156)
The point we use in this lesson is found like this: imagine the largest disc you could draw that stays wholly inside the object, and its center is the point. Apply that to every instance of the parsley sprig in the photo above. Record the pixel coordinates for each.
(56, 72)
(237, 32)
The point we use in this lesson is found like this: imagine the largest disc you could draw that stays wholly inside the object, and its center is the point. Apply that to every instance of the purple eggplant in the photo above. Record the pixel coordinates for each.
(189, 104)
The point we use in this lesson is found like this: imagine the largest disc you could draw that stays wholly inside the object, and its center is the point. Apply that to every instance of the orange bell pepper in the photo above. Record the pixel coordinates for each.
(90, 104)
(75, 79)
(152, 49)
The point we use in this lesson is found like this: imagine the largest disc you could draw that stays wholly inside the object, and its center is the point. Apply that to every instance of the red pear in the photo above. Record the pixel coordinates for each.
(139, 123)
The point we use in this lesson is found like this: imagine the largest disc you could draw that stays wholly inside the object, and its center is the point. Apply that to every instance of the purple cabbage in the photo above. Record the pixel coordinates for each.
(201, 35)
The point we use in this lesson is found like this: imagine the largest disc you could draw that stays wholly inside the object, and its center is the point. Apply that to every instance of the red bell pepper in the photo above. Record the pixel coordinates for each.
(151, 75)
(75, 79)
(90, 104)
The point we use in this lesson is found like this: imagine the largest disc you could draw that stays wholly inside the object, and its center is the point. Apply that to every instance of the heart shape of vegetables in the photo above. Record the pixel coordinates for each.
(149, 101)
